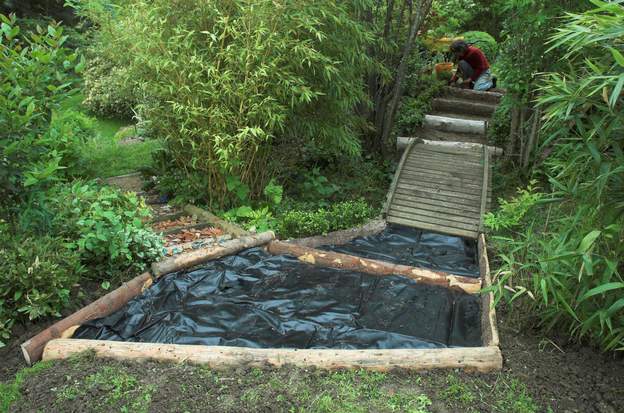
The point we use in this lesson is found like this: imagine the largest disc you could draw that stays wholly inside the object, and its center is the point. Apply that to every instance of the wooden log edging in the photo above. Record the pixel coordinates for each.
(474, 127)
(228, 227)
(375, 267)
(481, 359)
(404, 141)
(196, 257)
(488, 312)
(106, 305)
(343, 236)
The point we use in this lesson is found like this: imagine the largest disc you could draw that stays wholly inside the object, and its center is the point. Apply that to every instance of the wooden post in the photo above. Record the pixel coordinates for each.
(193, 258)
(375, 267)
(111, 302)
(228, 227)
(481, 359)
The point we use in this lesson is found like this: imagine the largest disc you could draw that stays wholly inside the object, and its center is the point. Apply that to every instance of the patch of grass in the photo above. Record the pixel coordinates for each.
(457, 392)
(513, 397)
(102, 155)
(121, 391)
(10, 392)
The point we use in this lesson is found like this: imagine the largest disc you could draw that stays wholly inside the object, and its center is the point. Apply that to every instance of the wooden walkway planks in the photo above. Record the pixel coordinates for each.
(440, 189)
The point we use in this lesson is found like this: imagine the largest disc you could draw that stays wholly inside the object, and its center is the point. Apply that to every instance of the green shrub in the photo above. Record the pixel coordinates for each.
(416, 103)
(106, 227)
(110, 91)
(36, 76)
(483, 41)
(36, 278)
(225, 82)
(343, 215)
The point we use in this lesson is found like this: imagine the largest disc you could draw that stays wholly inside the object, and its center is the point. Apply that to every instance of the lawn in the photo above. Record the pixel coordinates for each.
(105, 154)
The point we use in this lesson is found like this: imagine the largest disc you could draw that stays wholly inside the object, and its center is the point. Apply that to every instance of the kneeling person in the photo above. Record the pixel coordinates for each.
(473, 67)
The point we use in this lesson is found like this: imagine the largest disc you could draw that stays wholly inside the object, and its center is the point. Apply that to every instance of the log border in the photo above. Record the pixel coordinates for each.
(479, 359)
(55, 345)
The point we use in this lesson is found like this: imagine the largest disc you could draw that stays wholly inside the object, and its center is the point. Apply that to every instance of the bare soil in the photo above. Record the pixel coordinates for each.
(539, 375)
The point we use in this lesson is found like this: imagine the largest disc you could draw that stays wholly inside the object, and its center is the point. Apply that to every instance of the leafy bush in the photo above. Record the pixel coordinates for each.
(416, 103)
(106, 227)
(343, 215)
(37, 276)
(110, 91)
(483, 41)
(36, 76)
(449, 16)
(226, 82)
(564, 264)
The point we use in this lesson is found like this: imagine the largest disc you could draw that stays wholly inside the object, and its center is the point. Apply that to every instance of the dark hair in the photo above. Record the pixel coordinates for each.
(458, 46)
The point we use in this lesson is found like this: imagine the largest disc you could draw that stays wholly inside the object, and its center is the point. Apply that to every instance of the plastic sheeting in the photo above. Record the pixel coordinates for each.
(410, 246)
(256, 300)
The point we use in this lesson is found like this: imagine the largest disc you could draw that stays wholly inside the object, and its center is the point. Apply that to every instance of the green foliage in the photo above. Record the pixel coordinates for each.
(448, 17)
(225, 82)
(343, 215)
(564, 263)
(36, 279)
(110, 91)
(105, 227)
(510, 213)
(483, 41)
(526, 24)
(36, 76)
(416, 103)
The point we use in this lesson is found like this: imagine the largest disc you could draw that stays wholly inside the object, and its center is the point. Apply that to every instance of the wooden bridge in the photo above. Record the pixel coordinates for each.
(443, 181)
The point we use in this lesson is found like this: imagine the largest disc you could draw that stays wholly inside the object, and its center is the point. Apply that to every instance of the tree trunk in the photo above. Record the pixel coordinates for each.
(397, 91)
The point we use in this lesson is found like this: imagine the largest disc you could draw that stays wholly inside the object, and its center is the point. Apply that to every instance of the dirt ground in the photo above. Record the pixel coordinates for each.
(539, 375)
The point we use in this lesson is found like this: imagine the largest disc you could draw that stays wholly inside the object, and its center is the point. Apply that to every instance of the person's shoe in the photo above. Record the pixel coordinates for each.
(493, 82)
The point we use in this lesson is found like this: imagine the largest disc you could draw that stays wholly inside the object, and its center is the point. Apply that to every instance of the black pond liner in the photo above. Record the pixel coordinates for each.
(256, 300)
(416, 248)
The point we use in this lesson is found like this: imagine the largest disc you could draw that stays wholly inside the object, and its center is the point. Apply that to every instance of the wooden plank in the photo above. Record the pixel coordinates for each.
(448, 180)
(426, 186)
(425, 203)
(441, 220)
(449, 151)
(433, 227)
(447, 164)
(425, 192)
(430, 210)
(484, 189)
(481, 359)
(453, 162)
(396, 178)
(455, 221)
(442, 171)
(441, 185)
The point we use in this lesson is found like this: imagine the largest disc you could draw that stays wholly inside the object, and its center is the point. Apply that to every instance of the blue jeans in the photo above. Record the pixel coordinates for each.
(484, 82)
